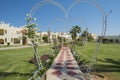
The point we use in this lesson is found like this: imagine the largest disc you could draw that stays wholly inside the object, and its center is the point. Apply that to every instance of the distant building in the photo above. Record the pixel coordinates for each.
(54, 35)
(94, 36)
(10, 34)
(115, 39)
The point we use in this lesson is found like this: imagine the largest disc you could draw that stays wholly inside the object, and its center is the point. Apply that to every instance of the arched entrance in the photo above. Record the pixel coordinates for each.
(1, 41)
(30, 20)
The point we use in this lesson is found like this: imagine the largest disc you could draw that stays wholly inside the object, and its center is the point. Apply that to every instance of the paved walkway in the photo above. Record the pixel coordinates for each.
(64, 67)
(18, 47)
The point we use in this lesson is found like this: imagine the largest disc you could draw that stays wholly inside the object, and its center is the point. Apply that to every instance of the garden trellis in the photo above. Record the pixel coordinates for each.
(66, 12)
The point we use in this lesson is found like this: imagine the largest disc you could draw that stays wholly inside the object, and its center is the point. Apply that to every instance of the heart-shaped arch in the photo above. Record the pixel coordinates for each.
(66, 13)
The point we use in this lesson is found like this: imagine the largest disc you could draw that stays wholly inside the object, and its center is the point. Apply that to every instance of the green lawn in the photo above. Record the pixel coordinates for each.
(14, 64)
(108, 60)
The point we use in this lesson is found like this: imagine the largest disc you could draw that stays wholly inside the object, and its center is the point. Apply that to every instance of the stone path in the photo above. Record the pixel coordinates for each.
(64, 67)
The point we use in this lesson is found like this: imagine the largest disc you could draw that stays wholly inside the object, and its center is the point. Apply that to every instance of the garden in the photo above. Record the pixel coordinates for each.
(14, 64)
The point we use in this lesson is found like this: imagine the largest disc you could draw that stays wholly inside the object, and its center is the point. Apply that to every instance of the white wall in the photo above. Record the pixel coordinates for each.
(113, 38)
(11, 33)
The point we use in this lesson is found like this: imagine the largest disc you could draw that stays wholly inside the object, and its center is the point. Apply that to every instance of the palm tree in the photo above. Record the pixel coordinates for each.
(74, 31)
(85, 33)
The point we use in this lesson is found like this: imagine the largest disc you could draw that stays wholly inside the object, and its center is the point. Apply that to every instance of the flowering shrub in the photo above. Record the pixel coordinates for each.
(32, 60)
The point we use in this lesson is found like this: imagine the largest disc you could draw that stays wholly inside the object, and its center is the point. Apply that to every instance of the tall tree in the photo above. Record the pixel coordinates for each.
(45, 38)
(74, 31)
(85, 33)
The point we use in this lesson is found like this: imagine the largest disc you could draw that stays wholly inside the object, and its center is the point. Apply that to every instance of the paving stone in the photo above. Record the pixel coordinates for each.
(64, 67)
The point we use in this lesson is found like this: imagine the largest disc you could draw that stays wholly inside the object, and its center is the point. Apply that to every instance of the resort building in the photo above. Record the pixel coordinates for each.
(54, 35)
(10, 35)
(113, 39)
(94, 36)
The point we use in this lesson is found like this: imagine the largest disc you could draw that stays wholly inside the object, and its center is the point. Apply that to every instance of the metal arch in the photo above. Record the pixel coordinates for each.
(58, 19)
(93, 2)
(101, 10)
(45, 2)
(30, 16)
(42, 3)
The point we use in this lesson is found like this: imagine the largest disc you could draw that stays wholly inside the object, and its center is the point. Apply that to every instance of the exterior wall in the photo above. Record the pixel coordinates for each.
(113, 38)
(54, 35)
(94, 36)
(11, 34)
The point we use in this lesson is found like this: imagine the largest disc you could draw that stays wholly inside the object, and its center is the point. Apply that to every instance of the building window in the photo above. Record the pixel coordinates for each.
(5, 39)
(1, 32)
(1, 41)
(111, 40)
(12, 40)
(116, 41)
(16, 41)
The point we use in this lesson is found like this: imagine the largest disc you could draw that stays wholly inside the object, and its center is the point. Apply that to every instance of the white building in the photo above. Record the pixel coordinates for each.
(113, 38)
(54, 35)
(10, 34)
(94, 36)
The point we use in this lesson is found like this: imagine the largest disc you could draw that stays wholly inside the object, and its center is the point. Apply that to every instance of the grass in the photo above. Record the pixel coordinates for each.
(108, 60)
(14, 64)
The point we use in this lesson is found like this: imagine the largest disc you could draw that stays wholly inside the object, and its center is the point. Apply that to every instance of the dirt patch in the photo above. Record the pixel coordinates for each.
(95, 76)
(98, 77)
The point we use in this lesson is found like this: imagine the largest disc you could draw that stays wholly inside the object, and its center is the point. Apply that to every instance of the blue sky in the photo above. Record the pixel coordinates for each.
(53, 18)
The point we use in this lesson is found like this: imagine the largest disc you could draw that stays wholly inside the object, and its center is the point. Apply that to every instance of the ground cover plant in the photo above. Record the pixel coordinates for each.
(14, 64)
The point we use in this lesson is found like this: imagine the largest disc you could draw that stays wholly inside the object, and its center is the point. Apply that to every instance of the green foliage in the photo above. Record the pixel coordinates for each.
(74, 31)
(105, 41)
(59, 39)
(45, 38)
(8, 43)
(31, 30)
(85, 34)
(79, 43)
(90, 38)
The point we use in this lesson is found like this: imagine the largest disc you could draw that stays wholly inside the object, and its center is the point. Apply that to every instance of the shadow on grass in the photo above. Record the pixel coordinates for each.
(5, 74)
(110, 66)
